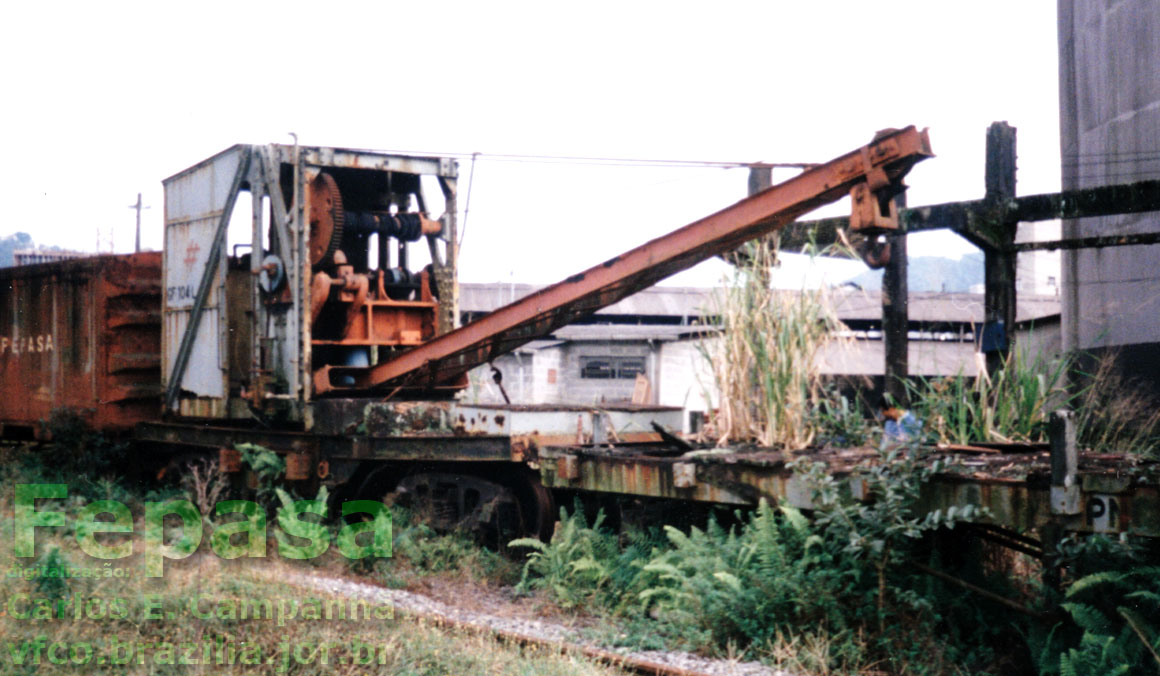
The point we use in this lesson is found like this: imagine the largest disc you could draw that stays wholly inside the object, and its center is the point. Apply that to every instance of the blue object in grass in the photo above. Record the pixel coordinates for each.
(905, 428)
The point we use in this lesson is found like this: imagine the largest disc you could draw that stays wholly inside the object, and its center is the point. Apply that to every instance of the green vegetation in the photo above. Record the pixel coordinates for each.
(1115, 613)
(576, 565)
(839, 591)
(765, 362)
(1014, 404)
(837, 587)
(267, 468)
(1107, 620)
(421, 552)
(1113, 415)
(769, 390)
(129, 625)
(79, 451)
(1011, 405)
(65, 612)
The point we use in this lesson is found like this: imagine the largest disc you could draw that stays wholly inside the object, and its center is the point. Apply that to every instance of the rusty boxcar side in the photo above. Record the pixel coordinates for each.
(82, 334)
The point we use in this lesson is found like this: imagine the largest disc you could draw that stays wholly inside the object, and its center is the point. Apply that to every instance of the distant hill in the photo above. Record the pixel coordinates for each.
(932, 273)
(9, 244)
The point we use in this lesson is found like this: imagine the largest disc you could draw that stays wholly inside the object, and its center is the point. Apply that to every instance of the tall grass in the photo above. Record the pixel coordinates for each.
(1013, 404)
(765, 364)
(1010, 405)
(1114, 415)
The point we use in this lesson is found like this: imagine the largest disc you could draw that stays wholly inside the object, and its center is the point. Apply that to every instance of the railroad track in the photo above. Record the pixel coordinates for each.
(533, 633)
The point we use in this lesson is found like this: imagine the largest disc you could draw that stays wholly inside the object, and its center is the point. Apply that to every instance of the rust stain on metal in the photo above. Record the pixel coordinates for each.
(229, 460)
(524, 448)
(299, 466)
(85, 335)
(568, 467)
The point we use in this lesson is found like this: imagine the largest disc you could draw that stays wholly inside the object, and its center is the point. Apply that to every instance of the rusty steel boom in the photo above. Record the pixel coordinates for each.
(878, 166)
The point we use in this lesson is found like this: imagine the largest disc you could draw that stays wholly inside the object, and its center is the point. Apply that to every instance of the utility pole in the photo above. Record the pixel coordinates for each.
(138, 207)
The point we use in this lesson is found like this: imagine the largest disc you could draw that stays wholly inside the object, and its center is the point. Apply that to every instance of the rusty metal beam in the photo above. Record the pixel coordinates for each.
(455, 353)
(479, 448)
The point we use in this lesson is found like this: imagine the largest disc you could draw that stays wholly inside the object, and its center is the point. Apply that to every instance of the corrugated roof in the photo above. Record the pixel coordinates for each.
(853, 304)
(654, 301)
(581, 332)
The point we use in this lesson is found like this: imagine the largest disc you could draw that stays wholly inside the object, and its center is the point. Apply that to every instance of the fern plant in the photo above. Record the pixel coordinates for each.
(1115, 613)
(576, 564)
(745, 585)
(268, 467)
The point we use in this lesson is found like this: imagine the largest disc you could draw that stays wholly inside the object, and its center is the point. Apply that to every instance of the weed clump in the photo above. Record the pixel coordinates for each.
(839, 581)
(765, 363)
(576, 565)
(77, 449)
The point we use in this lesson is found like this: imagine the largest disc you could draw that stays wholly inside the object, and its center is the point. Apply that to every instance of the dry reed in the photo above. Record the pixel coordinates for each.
(766, 363)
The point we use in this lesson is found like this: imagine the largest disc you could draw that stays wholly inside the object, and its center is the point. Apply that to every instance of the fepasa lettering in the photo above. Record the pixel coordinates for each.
(18, 345)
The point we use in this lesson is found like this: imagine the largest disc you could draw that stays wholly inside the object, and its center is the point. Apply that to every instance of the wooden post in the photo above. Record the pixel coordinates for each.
(999, 261)
(1066, 498)
(895, 314)
(761, 178)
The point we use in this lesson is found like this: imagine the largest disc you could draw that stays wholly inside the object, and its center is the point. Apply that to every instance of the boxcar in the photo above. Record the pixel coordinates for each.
(82, 335)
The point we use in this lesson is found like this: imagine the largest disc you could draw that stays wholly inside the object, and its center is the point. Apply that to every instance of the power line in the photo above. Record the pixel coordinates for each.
(609, 161)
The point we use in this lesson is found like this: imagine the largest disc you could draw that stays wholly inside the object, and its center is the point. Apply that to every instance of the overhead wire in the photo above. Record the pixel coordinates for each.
(606, 161)
(467, 203)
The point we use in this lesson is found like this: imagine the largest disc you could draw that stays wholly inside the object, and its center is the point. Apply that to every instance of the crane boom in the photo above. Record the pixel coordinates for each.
(880, 165)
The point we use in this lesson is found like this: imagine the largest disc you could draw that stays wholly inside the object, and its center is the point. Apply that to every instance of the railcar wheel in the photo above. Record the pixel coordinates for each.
(451, 501)
(497, 506)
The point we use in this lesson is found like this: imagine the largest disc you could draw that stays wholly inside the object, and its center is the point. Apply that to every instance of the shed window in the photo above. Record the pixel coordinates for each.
(609, 368)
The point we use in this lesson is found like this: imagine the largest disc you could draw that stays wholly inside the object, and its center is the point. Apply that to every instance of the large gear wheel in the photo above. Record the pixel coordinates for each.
(326, 218)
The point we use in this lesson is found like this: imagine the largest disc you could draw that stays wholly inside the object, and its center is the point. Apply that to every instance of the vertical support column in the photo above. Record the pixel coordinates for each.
(300, 235)
(257, 257)
(446, 275)
(896, 314)
(1065, 494)
(999, 261)
(1066, 497)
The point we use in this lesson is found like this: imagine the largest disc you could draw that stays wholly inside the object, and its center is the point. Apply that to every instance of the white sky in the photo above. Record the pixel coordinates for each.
(103, 100)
